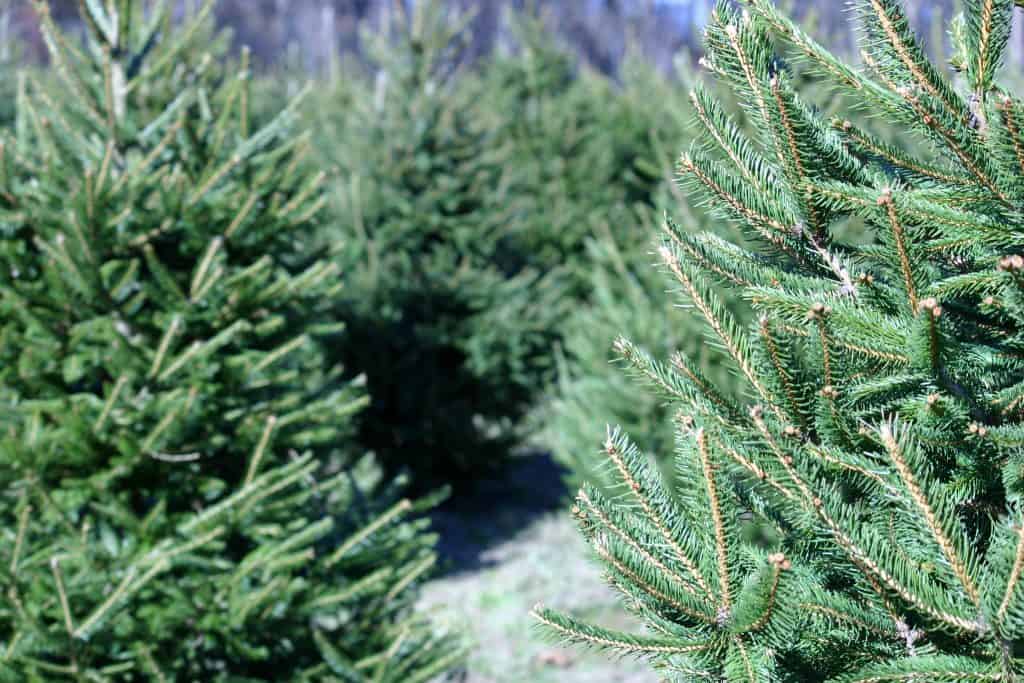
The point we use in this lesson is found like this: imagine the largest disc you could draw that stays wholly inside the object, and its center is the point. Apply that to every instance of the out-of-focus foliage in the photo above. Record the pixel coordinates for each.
(451, 328)
(623, 182)
(473, 204)
(481, 210)
(584, 151)
(10, 59)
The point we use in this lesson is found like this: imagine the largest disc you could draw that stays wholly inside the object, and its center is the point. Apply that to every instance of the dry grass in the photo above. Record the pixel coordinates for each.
(545, 561)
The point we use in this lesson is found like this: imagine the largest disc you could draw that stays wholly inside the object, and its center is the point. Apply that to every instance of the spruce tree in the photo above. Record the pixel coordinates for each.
(593, 385)
(8, 86)
(857, 516)
(624, 296)
(451, 327)
(179, 500)
(588, 154)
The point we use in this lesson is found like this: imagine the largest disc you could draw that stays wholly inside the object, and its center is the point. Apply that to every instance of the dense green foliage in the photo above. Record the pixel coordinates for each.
(586, 155)
(178, 494)
(455, 188)
(624, 296)
(451, 329)
(857, 515)
(8, 88)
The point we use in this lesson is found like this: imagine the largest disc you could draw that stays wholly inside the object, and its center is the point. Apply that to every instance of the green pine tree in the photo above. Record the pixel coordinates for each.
(8, 85)
(857, 516)
(628, 298)
(449, 323)
(178, 498)
(586, 153)
(624, 296)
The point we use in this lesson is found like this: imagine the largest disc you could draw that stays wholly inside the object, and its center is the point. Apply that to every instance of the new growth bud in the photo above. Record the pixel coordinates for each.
(1011, 264)
(930, 305)
(818, 311)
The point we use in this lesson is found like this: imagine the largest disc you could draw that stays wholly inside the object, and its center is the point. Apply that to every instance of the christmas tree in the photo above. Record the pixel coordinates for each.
(624, 295)
(178, 498)
(586, 152)
(452, 328)
(857, 517)
(10, 54)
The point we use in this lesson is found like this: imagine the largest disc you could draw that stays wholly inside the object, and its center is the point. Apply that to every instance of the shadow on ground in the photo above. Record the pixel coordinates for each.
(507, 543)
(495, 508)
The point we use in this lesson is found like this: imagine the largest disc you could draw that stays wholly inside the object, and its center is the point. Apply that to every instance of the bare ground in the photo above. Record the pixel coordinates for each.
(508, 545)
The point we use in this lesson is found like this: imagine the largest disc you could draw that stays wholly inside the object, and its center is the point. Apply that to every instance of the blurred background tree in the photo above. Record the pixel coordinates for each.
(10, 57)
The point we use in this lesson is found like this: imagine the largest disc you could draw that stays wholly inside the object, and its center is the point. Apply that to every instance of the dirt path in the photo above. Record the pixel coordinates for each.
(509, 545)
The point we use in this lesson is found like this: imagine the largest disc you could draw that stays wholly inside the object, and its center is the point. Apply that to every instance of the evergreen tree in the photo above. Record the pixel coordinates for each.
(585, 152)
(9, 59)
(452, 329)
(858, 516)
(624, 296)
(627, 298)
(177, 496)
